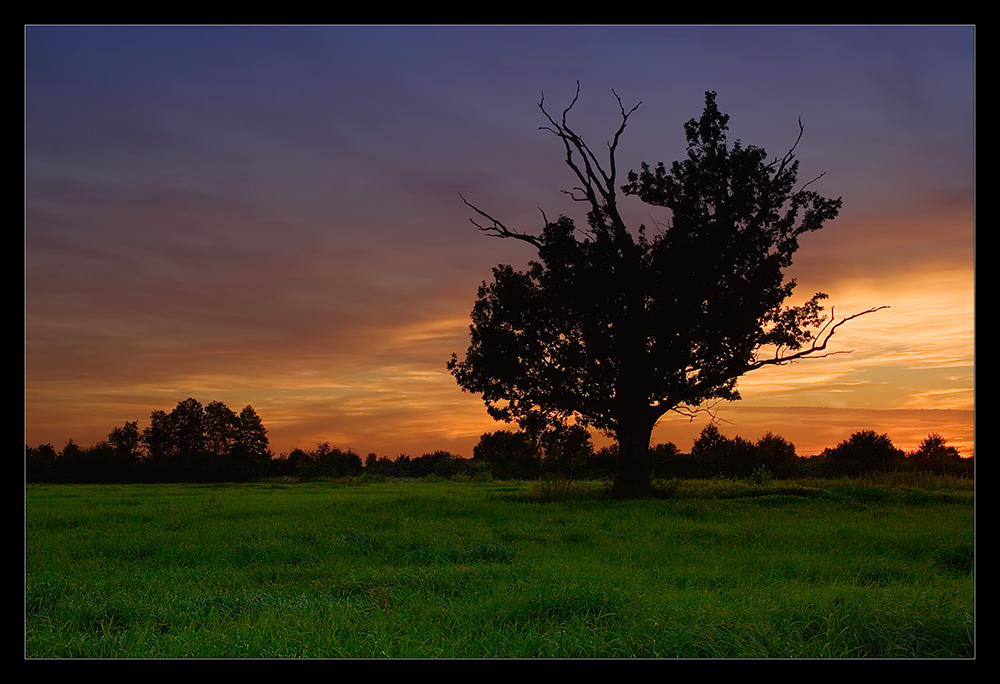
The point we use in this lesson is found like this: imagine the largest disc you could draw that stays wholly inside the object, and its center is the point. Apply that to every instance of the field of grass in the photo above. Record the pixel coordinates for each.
(849, 568)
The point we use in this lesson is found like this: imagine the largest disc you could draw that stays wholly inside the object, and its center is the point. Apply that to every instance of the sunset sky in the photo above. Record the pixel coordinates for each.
(271, 216)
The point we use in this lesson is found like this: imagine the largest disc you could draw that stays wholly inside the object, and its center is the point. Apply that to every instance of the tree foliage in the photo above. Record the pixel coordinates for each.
(611, 329)
(715, 454)
(863, 452)
(192, 443)
(935, 455)
(508, 454)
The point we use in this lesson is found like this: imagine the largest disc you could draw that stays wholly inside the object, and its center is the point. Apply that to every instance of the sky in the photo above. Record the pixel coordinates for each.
(272, 216)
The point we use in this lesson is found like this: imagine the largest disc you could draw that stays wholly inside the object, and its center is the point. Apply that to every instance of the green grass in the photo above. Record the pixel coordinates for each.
(850, 568)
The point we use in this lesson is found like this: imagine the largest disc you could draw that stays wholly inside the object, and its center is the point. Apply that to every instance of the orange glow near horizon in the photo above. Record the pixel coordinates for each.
(910, 374)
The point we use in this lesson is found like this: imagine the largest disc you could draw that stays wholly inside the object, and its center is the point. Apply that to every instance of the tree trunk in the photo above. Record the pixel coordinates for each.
(633, 478)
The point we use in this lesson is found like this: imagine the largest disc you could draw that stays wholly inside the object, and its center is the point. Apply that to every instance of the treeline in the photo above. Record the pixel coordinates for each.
(569, 453)
(192, 443)
(195, 443)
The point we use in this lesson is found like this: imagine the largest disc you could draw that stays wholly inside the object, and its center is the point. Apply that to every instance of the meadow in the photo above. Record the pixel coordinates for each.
(877, 567)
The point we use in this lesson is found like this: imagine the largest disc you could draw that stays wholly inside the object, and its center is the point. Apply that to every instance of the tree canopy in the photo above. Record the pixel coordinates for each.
(611, 328)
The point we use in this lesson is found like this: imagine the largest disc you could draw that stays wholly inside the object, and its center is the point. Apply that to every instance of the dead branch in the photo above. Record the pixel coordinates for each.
(498, 229)
(597, 185)
(819, 344)
(692, 412)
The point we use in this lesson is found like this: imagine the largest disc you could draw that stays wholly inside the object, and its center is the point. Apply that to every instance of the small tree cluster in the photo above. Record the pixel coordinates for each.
(192, 443)
(322, 462)
(862, 453)
(714, 454)
(435, 464)
(935, 456)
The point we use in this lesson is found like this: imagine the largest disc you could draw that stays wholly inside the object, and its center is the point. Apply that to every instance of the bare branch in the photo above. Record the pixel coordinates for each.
(790, 154)
(692, 412)
(812, 181)
(598, 186)
(614, 145)
(498, 229)
(818, 345)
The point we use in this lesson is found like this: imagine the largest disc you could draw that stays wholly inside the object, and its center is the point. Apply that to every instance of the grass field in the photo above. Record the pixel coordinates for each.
(849, 568)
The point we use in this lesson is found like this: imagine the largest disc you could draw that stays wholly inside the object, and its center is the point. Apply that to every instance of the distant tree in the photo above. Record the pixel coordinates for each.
(510, 454)
(72, 463)
(604, 463)
(187, 435)
(440, 464)
(666, 461)
(380, 465)
(297, 463)
(221, 425)
(118, 458)
(349, 464)
(401, 467)
(613, 330)
(777, 455)
(158, 442)
(251, 452)
(934, 455)
(126, 442)
(714, 454)
(566, 450)
(40, 463)
(741, 458)
(199, 443)
(709, 451)
(863, 452)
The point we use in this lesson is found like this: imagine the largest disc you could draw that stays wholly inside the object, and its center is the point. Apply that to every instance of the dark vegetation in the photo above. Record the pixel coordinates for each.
(612, 327)
(192, 443)
(195, 443)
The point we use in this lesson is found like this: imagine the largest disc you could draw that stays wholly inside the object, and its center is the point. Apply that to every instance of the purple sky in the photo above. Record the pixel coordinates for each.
(271, 216)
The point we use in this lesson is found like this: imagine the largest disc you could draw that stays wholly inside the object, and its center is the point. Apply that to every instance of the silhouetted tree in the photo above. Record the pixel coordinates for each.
(187, 432)
(126, 442)
(934, 455)
(71, 465)
(116, 459)
(251, 454)
(40, 463)
(566, 450)
(158, 443)
(297, 463)
(614, 330)
(666, 460)
(777, 455)
(221, 425)
(863, 452)
(709, 450)
(439, 463)
(509, 454)
(714, 454)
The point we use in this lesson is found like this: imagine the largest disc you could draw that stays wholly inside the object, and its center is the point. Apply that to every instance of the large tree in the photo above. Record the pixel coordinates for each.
(612, 329)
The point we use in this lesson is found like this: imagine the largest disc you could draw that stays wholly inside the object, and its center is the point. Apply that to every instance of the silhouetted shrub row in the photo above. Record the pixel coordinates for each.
(213, 444)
